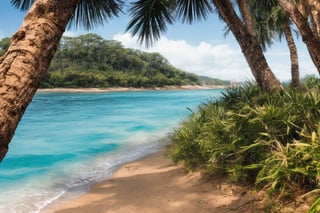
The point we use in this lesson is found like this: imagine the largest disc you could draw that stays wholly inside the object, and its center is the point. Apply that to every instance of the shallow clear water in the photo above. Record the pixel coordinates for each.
(67, 141)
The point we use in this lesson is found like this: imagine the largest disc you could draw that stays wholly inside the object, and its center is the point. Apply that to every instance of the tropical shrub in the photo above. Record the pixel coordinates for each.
(269, 140)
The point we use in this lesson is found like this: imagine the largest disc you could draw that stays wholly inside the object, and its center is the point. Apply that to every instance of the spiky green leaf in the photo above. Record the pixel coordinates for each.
(149, 18)
(22, 4)
(90, 13)
(193, 10)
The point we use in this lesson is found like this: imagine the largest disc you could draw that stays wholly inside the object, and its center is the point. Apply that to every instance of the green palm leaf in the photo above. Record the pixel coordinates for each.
(149, 18)
(193, 10)
(22, 4)
(89, 13)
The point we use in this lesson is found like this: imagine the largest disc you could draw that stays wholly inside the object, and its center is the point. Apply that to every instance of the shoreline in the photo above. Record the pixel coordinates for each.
(154, 184)
(129, 89)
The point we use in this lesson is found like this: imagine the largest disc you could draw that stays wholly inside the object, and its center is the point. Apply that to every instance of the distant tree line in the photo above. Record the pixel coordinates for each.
(4, 45)
(91, 61)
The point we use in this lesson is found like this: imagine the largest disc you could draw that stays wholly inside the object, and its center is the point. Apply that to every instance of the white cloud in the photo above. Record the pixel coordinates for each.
(217, 60)
(69, 34)
(279, 62)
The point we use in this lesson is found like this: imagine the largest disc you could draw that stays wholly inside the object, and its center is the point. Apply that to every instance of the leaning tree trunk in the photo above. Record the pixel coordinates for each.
(246, 15)
(298, 14)
(250, 47)
(24, 65)
(295, 79)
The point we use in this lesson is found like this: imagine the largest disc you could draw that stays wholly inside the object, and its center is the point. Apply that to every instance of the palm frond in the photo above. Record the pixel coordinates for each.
(90, 13)
(22, 4)
(193, 10)
(149, 18)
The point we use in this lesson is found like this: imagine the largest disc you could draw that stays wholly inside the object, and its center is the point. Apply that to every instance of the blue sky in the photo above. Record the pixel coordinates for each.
(200, 48)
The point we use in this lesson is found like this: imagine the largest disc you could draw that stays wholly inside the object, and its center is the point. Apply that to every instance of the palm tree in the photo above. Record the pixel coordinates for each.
(150, 19)
(305, 15)
(33, 46)
(271, 21)
(295, 74)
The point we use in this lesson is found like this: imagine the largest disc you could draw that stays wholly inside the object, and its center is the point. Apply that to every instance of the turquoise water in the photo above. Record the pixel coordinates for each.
(67, 141)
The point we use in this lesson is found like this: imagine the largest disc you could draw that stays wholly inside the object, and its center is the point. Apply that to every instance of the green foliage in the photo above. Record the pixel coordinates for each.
(149, 18)
(87, 14)
(315, 207)
(271, 140)
(212, 81)
(90, 61)
(269, 20)
(310, 81)
(22, 4)
(4, 45)
(95, 12)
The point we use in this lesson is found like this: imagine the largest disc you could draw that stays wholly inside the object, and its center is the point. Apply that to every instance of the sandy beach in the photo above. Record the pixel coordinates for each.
(123, 89)
(154, 184)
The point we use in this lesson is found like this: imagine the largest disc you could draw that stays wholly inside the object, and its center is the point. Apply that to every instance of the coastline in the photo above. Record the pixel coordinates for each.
(125, 89)
(154, 184)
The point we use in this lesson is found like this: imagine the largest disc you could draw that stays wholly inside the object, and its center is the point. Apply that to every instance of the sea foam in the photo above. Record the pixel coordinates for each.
(68, 141)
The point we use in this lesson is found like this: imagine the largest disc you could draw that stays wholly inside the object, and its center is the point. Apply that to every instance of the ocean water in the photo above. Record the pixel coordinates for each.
(67, 141)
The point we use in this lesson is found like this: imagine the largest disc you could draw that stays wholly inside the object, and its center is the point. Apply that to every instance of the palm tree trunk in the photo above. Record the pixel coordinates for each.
(315, 16)
(245, 11)
(295, 79)
(250, 47)
(24, 65)
(309, 36)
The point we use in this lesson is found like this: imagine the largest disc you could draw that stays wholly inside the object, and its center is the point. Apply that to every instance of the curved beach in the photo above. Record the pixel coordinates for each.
(123, 89)
(154, 184)
(151, 184)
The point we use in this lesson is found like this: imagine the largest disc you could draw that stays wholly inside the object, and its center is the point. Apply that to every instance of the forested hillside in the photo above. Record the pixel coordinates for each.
(90, 61)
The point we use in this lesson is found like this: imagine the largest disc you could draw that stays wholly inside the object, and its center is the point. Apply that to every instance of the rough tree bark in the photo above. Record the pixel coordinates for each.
(295, 78)
(24, 65)
(300, 13)
(250, 47)
(245, 12)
